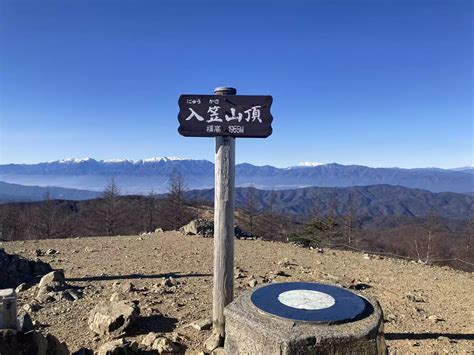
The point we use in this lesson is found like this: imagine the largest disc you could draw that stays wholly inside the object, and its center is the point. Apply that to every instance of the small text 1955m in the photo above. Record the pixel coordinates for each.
(225, 115)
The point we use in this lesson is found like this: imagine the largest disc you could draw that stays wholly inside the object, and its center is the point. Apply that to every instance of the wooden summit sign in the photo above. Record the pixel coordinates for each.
(225, 115)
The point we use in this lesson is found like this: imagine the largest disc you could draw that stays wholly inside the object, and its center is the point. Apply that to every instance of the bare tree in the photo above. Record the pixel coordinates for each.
(316, 207)
(333, 232)
(470, 232)
(11, 223)
(349, 220)
(250, 208)
(151, 209)
(270, 222)
(109, 208)
(177, 211)
(46, 219)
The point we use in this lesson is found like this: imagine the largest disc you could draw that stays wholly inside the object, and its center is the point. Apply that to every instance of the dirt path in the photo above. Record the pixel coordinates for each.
(411, 295)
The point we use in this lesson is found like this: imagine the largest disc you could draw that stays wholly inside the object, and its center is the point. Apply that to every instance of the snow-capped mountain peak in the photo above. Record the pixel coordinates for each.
(307, 164)
(72, 160)
(165, 159)
(118, 161)
(112, 161)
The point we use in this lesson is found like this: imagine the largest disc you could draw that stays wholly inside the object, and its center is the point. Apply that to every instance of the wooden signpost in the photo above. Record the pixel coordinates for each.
(225, 116)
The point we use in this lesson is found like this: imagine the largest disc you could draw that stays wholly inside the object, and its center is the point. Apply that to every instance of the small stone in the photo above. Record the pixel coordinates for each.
(31, 307)
(219, 351)
(239, 275)
(284, 262)
(116, 297)
(37, 252)
(165, 345)
(390, 318)
(202, 324)
(25, 324)
(435, 319)
(118, 347)
(149, 339)
(159, 230)
(213, 342)
(73, 294)
(415, 297)
(51, 251)
(168, 282)
(45, 297)
(367, 256)
(252, 283)
(22, 287)
(127, 287)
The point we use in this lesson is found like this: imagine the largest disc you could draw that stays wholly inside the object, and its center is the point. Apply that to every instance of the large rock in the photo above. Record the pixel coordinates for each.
(166, 346)
(118, 347)
(205, 228)
(54, 278)
(15, 270)
(32, 342)
(113, 318)
(199, 227)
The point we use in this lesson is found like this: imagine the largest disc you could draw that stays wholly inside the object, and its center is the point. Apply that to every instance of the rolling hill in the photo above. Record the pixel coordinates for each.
(367, 201)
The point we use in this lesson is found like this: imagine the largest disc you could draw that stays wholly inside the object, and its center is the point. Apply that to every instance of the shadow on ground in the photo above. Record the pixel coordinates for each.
(154, 323)
(427, 336)
(133, 277)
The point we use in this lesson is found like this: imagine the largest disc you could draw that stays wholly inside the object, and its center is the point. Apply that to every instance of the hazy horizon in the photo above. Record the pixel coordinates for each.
(296, 164)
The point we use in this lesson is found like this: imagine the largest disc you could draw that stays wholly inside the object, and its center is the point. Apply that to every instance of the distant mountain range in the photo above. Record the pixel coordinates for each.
(140, 176)
(367, 201)
(375, 201)
(21, 193)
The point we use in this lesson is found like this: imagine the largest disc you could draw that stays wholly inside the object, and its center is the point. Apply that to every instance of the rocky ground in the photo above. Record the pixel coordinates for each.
(427, 309)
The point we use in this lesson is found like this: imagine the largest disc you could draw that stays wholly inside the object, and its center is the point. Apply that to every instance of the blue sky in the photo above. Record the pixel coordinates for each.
(378, 83)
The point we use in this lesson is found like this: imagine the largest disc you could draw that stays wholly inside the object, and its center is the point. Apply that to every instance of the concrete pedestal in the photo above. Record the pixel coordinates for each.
(249, 330)
(8, 309)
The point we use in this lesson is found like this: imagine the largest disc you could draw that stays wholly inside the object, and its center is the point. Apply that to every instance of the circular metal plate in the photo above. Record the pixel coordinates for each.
(310, 302)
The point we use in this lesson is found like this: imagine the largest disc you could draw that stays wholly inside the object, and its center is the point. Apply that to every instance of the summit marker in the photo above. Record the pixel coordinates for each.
(225, 116)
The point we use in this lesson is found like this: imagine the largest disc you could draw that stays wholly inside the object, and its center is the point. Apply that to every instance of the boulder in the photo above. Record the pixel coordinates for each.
(118, 347)
(22, 287)
(149, 339)
(113, 318)
(205, 228)
(25, 324)
(202, 324)
(165, 345)
(32, 342)
(54, 276)
(199, 227)
(213, 342)
(15, 270)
